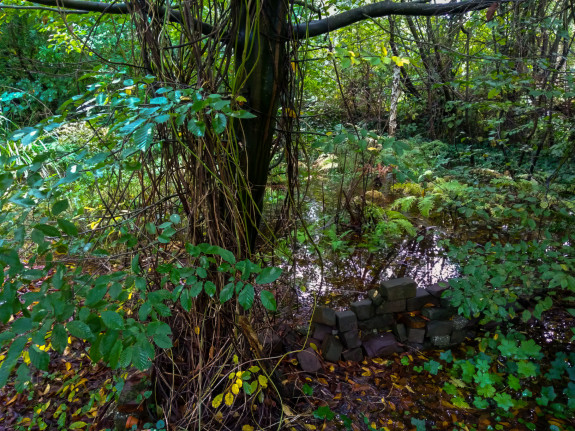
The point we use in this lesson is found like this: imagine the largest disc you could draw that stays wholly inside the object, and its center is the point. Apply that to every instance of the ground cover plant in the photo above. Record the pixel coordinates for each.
(166, 172)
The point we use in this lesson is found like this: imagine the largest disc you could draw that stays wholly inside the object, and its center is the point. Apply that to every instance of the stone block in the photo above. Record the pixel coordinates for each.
(308, 360)
(415, 322)
(346, 320)
(459, 322)
(398, 288)
(381, 345)
(379, 322)
(415, 335)
(321, 331)
(355, 355)
(400, 332)
(437, 313)
(441, 340)
(363, 309)
(375, 297)
(391, 307)
(437, 328)
(350, 339)
(458, 336)
(445, 301)
(437, 289)
(421, 298)
(324, 315)
(331, 348)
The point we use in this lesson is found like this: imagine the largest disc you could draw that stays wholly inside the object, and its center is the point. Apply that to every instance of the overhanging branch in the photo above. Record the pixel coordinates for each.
(48, 9)
(386, 8)
(119, 9)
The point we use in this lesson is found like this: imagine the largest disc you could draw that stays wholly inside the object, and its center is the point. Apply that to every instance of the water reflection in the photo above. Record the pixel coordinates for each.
(347, 278)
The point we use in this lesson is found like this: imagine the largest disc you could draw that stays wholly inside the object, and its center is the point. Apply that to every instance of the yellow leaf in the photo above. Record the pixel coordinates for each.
(331, 368)
(287, 411)
(229, 399)
(254, 369)
(217, 401)
(263, 381)
(378, 361)
(310, 427)
(409, 389)
(293, 361)
(77, 425)
(367, 372)
(247, 428)
(235, 389)
(337, 396)
(239, 382)
(322, 381)
(313, 346)
(197, 330)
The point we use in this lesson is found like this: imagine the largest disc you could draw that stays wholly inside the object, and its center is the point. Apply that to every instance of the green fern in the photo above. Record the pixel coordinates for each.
(426, 204)
(404, 203)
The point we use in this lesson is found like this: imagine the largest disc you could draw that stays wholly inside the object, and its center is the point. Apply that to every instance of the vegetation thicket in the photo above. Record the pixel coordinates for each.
(161, 169)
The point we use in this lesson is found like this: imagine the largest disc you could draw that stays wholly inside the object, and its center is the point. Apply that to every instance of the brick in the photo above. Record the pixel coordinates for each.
(331, 348)
(441, 340)
(421, 298)
(308, 360)
(391, 307)
(321, 331)
(346, 320)
(398, 288)
(459, 322)
(415, 335)
(355, 355)
(324, 315)
(381, 345)
(415, 322)
(437, 289)
(458, 336)
(380, 322)
(437, 313)
(437, 328)
(400, 332)
(363, 309)
(350, 339)
(375, 297)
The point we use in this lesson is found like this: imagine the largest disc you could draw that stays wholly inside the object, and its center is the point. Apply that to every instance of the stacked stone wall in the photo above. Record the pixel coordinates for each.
(395, 317)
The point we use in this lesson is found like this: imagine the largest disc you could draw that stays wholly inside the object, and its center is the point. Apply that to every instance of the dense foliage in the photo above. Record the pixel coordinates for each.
(133, 169)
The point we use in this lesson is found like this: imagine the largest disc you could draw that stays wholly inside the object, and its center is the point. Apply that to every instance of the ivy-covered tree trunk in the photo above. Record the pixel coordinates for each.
(261, 59)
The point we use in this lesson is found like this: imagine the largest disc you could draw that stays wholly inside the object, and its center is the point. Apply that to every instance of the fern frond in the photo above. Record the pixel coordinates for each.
(404, 203)
(426, 204)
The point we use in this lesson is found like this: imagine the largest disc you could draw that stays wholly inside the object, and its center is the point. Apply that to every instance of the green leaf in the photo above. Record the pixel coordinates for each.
(113, 320)
(226, 293)
(186, 300)
(503, 400)
(219, 123)
(39, 358)
(529, 349)
(79, 330)
(67, 227)
(126, 357)
(432, 367)
(159, 101)
(268, 300)
(136, 264)
(60, 207)
(48, 230)
(11, 359)
(115, 353)
(95, 295)
(210, 288)
(268, 275)
(526, 369)
(142, 355)
(246, 297)
(163, 341)
(59, 338)
(175, 218)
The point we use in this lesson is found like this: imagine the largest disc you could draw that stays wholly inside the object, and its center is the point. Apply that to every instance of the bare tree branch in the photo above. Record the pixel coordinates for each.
(119, 9)
(386, 8)
(49, 9)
